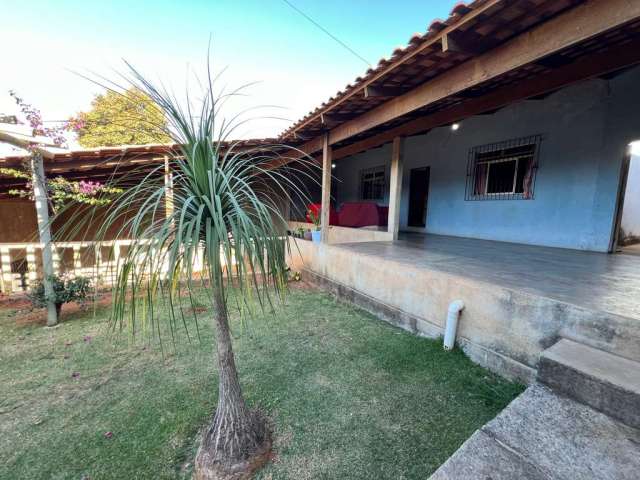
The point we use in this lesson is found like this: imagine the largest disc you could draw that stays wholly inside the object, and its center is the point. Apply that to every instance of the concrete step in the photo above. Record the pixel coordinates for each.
(606, 382)
(545, 436)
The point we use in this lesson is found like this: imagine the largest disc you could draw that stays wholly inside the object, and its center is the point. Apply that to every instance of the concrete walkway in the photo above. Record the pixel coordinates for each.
(594, 281)
(544, 436)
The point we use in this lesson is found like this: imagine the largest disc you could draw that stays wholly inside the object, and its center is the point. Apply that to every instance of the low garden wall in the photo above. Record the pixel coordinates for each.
(348, 235)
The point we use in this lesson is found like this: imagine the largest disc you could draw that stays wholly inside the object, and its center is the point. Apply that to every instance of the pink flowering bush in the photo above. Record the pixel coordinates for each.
(34, 118)
(60, 190)
(88, 187)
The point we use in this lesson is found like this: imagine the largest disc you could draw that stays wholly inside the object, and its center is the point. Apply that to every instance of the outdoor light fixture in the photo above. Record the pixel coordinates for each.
(333, 165)
(455, 126)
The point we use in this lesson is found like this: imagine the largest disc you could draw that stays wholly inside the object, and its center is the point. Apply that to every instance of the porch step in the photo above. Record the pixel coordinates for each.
(545, 436)
(604, 381)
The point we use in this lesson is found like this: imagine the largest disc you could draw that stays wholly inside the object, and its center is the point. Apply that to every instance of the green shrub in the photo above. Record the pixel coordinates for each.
(65, 290)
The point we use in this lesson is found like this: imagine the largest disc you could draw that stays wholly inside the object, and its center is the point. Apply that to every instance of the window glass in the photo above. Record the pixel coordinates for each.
(503, 171)
(372, 183)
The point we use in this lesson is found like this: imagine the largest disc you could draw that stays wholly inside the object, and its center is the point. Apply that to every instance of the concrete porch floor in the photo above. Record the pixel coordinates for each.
(590, 280)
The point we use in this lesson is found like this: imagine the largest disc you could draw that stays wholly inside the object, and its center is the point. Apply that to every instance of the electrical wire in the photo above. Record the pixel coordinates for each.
(327, 32)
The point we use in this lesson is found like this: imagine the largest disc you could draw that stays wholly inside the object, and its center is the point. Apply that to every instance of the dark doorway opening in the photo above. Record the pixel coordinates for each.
(418, 196)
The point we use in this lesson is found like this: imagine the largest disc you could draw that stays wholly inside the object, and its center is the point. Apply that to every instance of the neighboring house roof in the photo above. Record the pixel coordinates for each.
(22, 135)
(9, 119)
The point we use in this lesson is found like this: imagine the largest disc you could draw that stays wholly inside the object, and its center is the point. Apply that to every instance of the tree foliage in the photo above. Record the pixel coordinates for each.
(128, 118)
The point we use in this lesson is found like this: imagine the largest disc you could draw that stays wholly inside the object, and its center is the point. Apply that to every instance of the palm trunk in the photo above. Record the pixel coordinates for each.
(238, 441)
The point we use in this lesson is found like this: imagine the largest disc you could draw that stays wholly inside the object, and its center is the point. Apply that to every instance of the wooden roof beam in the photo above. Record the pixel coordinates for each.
(612, 60)
(552, 61)
(23, 142)
(466, 94)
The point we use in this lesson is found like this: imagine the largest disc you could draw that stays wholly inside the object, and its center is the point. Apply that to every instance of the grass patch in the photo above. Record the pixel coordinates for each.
(351, 397)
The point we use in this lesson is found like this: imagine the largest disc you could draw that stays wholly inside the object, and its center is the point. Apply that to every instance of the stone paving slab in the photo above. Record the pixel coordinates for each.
(481, 457)
(542, 435)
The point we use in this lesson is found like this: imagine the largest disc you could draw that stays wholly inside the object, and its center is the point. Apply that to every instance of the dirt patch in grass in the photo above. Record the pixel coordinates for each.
(13, 302)
(198, 309)
(303, 286)
(20, 309)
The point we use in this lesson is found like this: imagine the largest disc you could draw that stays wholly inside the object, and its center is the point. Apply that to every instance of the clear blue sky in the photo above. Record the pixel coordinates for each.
(265, 41)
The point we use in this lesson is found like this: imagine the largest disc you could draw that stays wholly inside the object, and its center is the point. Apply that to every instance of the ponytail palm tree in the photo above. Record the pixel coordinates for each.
(226, 203)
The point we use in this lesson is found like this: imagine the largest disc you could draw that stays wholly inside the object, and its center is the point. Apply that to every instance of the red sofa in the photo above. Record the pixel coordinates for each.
(362, 214)
(355, 214)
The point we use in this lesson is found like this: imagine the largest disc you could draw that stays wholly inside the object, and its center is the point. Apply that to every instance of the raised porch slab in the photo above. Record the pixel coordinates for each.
(519, 299)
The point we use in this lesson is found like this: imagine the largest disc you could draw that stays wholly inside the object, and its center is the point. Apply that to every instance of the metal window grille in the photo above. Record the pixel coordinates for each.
(504, 170)
(373, 183)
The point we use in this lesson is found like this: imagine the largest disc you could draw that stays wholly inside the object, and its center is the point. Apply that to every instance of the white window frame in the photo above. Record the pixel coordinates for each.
(373, 170)
(515, 174)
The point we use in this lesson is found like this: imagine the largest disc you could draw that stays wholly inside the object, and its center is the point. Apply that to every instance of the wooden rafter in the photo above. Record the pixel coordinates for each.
(330, 120)
(456, 42)
(382, 92)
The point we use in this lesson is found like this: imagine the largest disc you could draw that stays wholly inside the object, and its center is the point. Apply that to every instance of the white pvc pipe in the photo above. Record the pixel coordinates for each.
(453, 314)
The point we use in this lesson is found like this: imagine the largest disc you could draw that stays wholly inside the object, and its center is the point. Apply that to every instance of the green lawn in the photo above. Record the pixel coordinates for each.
(350, 396)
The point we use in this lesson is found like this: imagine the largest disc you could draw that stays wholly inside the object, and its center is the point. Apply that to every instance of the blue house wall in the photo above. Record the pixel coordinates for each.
(585, 131)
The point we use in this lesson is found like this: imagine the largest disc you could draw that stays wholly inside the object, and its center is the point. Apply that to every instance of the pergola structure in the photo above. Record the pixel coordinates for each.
(100, 164)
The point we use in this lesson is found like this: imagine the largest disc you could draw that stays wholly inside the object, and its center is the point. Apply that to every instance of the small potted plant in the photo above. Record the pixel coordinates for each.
(315, 219)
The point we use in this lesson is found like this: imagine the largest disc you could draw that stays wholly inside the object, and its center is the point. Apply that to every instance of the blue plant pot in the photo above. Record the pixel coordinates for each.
(315, 235)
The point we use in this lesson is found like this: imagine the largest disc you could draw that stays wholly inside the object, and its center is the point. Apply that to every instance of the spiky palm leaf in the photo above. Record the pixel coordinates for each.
(226, 202)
